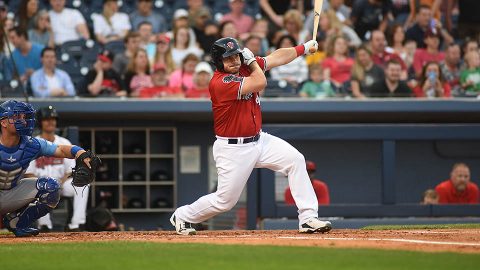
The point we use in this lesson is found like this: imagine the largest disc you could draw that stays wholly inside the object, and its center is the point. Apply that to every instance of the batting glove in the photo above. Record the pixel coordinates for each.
(310, 44)
(248, 56)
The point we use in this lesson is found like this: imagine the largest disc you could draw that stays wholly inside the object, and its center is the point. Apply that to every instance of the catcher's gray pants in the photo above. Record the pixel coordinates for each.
(19, 196)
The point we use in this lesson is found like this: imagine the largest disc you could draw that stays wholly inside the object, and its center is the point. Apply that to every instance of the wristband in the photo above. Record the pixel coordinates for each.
(300, 49)
(75, 150)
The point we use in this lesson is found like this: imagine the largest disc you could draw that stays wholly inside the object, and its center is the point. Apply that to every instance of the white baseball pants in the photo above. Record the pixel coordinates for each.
(235, 163)
(80, 199)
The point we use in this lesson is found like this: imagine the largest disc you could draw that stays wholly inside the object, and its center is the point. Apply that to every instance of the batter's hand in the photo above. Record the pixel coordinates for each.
(248, 56)
(310, 44)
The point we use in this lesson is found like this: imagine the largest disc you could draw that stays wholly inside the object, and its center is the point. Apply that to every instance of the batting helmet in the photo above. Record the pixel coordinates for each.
(223, 48)
(11, 109)
(311, 167)
(45, 113)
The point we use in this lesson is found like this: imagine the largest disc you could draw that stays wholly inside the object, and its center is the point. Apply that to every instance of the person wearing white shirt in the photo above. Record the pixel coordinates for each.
(61, 170)
(67, 24)
(110, 25)
(294, 72)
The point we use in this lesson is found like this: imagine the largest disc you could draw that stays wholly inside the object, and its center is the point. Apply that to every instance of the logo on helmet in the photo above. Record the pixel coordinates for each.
(230, 45)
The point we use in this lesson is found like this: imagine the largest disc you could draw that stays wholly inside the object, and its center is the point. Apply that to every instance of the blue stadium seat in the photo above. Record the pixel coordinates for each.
(11, 89)
(74, 72)
(88, 59)
(115, 46)
(279, 89)
(77, 48)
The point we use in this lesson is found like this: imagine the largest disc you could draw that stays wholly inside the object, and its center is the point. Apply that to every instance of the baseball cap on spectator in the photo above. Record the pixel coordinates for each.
(163, 38)
(159, 67)
(180, 13)
(203, 67)
(106, 56)
(431, 32)
(311, 167)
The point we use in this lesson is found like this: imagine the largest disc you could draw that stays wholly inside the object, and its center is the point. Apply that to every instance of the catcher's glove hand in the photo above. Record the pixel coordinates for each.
(85, 169)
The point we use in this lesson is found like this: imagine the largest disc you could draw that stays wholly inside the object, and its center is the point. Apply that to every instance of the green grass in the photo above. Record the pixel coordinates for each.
(142, 255)
(422, 227)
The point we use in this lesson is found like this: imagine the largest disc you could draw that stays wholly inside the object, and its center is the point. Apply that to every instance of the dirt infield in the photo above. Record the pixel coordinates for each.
(453, 240)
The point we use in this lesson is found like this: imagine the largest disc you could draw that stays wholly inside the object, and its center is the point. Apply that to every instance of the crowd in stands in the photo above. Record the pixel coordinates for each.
(151, 48)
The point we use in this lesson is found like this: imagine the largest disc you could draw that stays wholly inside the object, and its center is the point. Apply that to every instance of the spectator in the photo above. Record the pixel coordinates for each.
(206, 32)
(27, 10)
(400, 11)
(391, 86)
(432, 83)
(342, 12)
(272, 10)
(468, 19)
(201, 79)
(259, 29)
(365, 73)
(370, 15)
(102, 80)
(180, 20)
(61, 170)
(254, 43)
(181, 47)
(451, 67)
(415, 5)
(50, 81)
(337, 66)
(470, 77)
(137, 76)
(430, 54)
(459, 188)
(470, 45)
(320, 187)
(145, 13)
(396, 40)
(227, 29)
(381, 56)
(41, 32)
(3, 12)
(424, 21)
(196, 8)
(121, 60)
(430, 196)
(410, 49)
(294, 72)
(243, 22)
(5, 41)
(163, 54)
(183, 77)
(110, 25)
(293, 26)
(67, 24)
(160, 86)
(147, 39)
(26, 54)
(316, 87)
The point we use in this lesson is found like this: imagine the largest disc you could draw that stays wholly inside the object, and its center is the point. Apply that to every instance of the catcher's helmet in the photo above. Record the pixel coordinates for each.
(11, 109)
(223, 48)
(45, 113)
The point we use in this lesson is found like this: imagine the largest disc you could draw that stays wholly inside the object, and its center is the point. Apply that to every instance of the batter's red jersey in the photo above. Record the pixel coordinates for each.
(448, 194)
(321, 190)
(235, 115)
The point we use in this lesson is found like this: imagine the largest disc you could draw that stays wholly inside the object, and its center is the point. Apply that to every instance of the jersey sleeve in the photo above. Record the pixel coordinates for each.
(229, 87)
(46, 148)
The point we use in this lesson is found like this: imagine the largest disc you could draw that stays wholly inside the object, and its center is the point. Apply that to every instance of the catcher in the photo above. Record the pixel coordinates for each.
(24, 199)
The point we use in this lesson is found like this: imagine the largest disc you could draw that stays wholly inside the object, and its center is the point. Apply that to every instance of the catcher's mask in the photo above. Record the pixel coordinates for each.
(45, 113)
(224, 48)
(20, 114)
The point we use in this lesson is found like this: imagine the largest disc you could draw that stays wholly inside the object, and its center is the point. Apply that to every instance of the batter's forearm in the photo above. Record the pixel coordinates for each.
(280, 57)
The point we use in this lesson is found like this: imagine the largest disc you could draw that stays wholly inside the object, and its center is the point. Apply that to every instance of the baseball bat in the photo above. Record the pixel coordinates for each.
(317, 9)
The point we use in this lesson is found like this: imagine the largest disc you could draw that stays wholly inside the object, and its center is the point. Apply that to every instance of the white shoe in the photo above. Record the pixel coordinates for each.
(182, 227)
(315, 225)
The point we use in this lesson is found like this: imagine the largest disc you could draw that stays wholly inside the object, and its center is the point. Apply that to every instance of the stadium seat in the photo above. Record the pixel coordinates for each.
(88, 59)
(10, 89)
(279, 89)
(74, 72)
(77, 48)
(115, 46)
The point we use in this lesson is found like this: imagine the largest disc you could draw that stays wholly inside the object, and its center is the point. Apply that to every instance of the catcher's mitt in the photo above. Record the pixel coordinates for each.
(83, 175)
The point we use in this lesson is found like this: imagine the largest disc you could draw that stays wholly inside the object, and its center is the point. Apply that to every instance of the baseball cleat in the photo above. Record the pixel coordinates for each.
(315, 225)
(19, 232)
(182, 227)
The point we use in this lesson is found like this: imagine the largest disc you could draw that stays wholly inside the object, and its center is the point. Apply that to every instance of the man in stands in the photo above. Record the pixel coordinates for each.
(320, 188)
(67, 24)
(458, 189)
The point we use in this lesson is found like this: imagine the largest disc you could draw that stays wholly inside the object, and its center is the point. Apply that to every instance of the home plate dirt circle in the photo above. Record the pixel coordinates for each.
(452, 240)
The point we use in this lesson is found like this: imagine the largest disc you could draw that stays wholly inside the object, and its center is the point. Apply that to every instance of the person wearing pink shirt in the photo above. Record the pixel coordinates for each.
(183, 76)
(242, 21)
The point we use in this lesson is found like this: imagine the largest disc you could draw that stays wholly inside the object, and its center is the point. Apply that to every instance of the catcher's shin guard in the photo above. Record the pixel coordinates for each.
(48, 196)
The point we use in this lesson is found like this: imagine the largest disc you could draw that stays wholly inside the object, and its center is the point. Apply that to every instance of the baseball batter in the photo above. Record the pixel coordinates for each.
(241, 145)
(60, 169)
(24, 200)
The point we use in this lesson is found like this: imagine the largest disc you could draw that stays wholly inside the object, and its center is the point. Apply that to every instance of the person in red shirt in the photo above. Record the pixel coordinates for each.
(241, 144)
(430, 53)
(458, 189)
(321, 189)
(381, 56)
(201, 78)
(432, 84)
(160, 86)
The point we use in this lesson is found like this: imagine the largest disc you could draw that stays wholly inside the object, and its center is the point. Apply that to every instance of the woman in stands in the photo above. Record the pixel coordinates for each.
(337, 66)
(182, 77)
(432, 84)
(181, 48)
(364, 73)
(111, 25)
(42, 32)
(26, 13)
(163, 54)
(137, 76)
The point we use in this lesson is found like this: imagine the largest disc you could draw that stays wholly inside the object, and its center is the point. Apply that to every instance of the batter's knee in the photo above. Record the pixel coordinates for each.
(48, 191)
(224, 205)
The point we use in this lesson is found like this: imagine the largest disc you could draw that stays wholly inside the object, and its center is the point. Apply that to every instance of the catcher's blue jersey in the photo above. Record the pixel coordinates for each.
(14, 161)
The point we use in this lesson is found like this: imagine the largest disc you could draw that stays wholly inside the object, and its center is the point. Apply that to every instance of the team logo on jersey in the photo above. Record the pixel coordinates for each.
(231, 78)
(230, 45)
(11, 159)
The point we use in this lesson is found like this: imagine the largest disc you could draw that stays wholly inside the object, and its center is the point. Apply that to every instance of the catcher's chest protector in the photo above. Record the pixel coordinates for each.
(13, 165)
